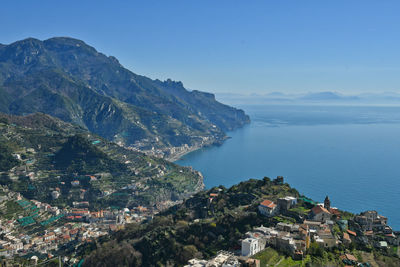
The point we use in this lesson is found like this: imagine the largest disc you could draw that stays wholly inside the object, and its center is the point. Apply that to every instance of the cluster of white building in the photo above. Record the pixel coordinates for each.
(224, 259)
(294, 239)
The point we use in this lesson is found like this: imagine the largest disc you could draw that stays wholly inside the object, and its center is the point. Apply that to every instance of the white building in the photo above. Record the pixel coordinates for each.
(196, 263)
(250, 246)
(55, 194)
(267, 208)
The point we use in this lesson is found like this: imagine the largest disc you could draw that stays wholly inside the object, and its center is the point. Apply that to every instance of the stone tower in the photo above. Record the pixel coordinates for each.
(327, 203)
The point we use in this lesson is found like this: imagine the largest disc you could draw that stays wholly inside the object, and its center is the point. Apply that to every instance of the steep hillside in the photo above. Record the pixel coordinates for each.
(68, 79)
(41, 154)
(220, 218)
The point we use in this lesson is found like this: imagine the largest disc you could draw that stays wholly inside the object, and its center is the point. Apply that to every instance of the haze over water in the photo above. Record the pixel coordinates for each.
(349, 153)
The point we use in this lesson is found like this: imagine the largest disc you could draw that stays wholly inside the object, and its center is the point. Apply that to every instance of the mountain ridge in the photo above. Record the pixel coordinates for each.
(69, 79)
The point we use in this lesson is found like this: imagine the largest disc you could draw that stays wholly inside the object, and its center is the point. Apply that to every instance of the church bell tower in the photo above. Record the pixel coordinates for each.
(327, 203)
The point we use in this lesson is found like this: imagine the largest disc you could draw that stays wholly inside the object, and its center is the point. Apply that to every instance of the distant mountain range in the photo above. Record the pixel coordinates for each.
(69, 79)
(326, 97)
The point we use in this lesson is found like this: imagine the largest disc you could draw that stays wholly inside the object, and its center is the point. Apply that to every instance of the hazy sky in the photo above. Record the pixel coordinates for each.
(230, 46)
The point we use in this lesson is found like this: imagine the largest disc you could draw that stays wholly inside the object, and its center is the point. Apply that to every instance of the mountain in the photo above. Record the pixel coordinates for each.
(69, 79)
(323, 97)
(40, 154)
(327, 96)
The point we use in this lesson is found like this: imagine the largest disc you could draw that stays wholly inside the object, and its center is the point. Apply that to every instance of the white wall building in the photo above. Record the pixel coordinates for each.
(267, 208)
(250, 246)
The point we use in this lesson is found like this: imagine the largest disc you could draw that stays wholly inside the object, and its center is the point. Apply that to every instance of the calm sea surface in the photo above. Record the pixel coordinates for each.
(351, 154)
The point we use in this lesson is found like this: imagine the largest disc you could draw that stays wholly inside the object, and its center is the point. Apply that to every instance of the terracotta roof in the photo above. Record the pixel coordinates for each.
(74, 231)
(268, 203)
(346, 236)
(318, 209)
(352, 233)
(335, 211)
(350, 257)
(368, 233)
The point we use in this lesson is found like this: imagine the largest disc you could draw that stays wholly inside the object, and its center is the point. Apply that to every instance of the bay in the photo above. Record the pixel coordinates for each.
(350, 153)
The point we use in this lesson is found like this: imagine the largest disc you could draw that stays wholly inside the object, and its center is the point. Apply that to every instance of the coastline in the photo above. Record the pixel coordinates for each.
(178, 155)
(173, 157)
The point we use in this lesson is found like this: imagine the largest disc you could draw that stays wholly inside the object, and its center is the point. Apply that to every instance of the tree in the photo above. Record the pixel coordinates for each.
(188, 252)
(315, 250)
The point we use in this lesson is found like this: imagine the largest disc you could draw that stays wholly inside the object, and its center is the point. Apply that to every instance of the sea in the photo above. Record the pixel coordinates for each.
(349, 153)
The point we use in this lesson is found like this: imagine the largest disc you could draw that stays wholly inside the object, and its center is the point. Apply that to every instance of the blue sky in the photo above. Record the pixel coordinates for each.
(230, 46)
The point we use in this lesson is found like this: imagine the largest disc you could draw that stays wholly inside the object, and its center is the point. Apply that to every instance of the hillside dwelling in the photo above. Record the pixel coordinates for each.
(287, 227)
(351, 233)
(286, 243)
(371, 221)
(75, 183)
(328, 240)
(388, 230)
(346, 238)
(349, 259)
(55, 194)
(267, 208)
(222, 259)
(382, 244)
(278, 180)
(196, 263)
(320, 214)
(231, 262)
(251, 246)
(286, 203)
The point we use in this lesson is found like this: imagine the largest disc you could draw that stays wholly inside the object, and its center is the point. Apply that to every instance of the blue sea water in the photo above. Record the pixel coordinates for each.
(351, 153)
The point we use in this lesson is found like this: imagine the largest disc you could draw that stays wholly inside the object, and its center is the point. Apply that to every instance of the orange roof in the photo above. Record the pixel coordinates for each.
(368, 233)
(318, 209)
(213, 195)
(352, 233)
(335, 211)
(268, 203)
(74, 231)
(350, 257)
(346, 236)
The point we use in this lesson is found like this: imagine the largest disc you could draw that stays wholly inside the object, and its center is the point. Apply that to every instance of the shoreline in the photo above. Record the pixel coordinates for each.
(177, 156)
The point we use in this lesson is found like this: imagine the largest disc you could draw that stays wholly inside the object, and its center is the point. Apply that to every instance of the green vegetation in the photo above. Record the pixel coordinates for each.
(68, 79)
(79, 155)
(10, 210)
(200, 228)
(80, 166)
(7, 161)
(197, 228)
(271, 257)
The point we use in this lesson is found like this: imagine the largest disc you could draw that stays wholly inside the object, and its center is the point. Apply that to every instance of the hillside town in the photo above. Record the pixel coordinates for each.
(172, 153)
(324, 226)
(38, 228)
